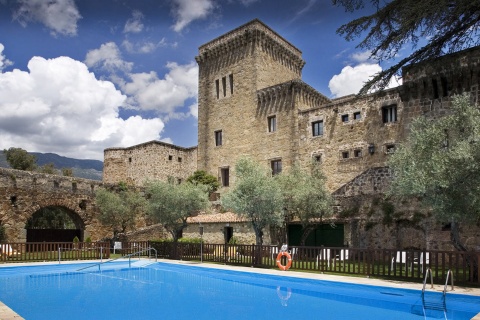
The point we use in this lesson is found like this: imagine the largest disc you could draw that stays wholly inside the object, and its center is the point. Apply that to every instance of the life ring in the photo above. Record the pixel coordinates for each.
(279, 260)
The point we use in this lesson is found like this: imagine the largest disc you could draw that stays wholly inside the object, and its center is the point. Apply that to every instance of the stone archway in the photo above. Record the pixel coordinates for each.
(54, 224)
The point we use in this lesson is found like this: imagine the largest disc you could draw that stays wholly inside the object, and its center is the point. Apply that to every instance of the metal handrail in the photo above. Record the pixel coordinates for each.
(429, 271)
(123, 257)
(449, 273)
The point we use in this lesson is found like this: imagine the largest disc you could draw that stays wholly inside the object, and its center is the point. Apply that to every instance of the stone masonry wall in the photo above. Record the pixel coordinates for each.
(152, 160)
(23, 193)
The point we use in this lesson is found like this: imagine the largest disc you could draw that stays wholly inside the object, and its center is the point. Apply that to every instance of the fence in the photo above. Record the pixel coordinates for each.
(409, 265)
(53, 251)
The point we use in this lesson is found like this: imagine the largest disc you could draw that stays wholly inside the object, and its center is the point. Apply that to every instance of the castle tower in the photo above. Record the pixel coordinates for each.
(234, 119)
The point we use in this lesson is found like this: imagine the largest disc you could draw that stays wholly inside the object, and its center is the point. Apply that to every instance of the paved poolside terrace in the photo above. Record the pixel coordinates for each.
(8, 314)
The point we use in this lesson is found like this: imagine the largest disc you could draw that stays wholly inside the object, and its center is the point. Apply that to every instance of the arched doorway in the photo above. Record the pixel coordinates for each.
(54, 224)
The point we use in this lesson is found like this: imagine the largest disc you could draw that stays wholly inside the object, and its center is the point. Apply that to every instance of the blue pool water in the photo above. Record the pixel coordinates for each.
(167, 291)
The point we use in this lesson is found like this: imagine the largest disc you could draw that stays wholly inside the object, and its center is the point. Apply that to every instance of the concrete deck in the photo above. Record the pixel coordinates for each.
(8, 314)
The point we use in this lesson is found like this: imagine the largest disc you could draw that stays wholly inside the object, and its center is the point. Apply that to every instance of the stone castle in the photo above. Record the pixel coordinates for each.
(253, 102)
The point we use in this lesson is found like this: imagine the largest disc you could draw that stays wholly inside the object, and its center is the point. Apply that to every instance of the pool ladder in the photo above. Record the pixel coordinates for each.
(435, 305)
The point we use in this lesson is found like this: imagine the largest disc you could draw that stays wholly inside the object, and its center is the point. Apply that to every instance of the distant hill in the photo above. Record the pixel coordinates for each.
(88, 169)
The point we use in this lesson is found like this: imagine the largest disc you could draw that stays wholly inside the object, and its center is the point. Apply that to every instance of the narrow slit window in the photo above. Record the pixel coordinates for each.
(218, 138)
(224, 86)
(217, 87)
(225, 176)
(272, 124)
(230, 78)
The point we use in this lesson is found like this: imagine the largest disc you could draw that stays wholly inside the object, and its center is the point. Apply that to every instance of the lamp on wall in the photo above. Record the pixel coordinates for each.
(371, 148)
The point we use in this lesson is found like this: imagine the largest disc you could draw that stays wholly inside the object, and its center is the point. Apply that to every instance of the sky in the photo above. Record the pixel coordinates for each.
(80, 76)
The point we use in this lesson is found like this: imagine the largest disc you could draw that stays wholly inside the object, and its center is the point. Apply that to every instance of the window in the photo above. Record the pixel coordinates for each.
(170, 158)
(276, 167)
(230, 78)
(389, 113)
(344, 117)
(224, 86)
(130, 160)
(179, 159)
(390, 148)
(217, 87)
(179, 180)
(345, 155)
(272, 123)
(357, 115)
(317, 128)
(225, 176)
(357, 153)
(317, 158)
(218, 138)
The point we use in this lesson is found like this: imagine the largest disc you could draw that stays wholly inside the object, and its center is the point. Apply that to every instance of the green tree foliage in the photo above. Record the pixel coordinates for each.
(48, 168)
(20, 159)
(67, 172)
(440, 164)
(201, 176)
(256, 196)
(50, 218)
(172, 204)
(119, 210)
(447, 26)
(305, 197)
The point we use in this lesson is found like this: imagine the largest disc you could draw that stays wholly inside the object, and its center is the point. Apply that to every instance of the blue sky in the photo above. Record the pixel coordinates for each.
(79, 76)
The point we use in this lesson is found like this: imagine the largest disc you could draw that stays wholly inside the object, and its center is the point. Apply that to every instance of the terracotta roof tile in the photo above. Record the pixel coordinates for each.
(217, 218)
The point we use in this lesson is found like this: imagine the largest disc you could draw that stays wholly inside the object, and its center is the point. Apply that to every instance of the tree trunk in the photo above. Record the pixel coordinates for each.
(457, 243)
(305, 233)
(258, 246)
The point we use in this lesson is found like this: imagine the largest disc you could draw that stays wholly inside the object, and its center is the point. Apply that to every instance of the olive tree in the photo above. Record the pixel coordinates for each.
(256, 196)
(20, 159)
(305, 197)
(119, 209)
(440, 164)
(172, 204)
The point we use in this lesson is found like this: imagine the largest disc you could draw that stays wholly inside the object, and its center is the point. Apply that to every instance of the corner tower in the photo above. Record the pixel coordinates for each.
(232, 122)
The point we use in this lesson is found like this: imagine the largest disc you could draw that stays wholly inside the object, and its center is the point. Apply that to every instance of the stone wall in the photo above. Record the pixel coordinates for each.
(152, 160)
(22, 193)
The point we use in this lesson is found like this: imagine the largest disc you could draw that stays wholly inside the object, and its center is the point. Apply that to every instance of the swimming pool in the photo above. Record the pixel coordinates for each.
(169, 291)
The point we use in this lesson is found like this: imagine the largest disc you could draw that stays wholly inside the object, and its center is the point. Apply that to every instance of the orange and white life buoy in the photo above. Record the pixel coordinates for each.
(279, 260)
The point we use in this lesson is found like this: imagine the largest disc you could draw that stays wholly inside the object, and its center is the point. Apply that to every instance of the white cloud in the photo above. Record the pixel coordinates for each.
(4, 62)
(60, 16)
(107, 57)
(185, 11)
(149, 92)
(134, 24)
(361, 57)
(351, 79)
(143, 47)
(59, 106)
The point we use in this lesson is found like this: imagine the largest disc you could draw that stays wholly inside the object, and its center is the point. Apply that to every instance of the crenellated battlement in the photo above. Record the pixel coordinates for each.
(259, 35)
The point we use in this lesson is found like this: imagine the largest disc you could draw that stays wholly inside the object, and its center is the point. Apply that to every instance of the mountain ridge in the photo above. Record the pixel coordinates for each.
(82, 168)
